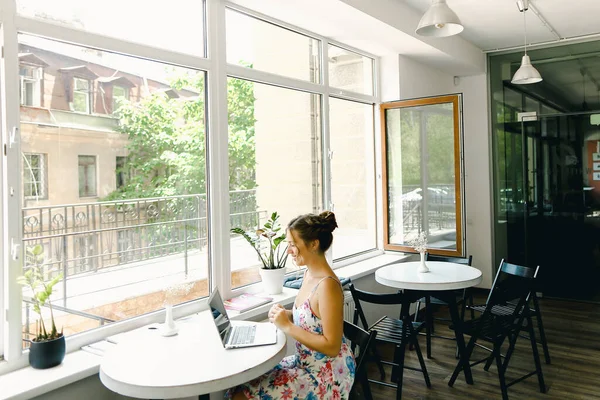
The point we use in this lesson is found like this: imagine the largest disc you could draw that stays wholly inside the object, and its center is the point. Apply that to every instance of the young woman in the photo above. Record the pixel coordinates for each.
(323, 365)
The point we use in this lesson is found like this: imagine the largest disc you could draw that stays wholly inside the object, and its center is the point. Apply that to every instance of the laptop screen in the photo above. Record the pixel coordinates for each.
(219, 313)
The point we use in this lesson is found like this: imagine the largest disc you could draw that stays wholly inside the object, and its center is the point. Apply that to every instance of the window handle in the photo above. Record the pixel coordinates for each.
(15, 249)
(12, 139)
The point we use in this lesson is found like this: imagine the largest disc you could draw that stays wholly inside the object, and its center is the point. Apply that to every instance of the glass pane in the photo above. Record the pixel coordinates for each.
(257, 44)
(421, 175)
(80, 102)
(350, 71)
(146, 231)
(352, 176)
(274, 163)
(176, 25)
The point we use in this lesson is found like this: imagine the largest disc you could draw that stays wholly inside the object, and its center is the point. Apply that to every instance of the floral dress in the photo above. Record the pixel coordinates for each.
(307, 374)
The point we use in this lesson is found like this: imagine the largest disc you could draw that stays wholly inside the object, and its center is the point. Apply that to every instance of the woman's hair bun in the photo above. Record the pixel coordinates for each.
(328, 220)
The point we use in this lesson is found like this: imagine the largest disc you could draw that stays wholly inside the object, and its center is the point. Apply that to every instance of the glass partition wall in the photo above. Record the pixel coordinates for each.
(546, 182)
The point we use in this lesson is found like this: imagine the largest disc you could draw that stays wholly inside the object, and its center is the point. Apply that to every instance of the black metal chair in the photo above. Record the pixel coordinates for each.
(361, 344)
(535, 313)
(513, 283)
(398, 332)
(463, 296)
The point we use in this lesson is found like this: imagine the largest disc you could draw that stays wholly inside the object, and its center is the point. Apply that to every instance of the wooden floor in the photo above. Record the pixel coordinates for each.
(573, 333)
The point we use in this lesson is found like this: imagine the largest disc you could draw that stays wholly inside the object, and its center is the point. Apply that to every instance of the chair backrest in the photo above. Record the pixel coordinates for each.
(452, 259)
(361, 338)
(513, 283)
(376, 298)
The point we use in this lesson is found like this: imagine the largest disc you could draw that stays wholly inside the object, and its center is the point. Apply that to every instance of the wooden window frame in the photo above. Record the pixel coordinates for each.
(455, 99)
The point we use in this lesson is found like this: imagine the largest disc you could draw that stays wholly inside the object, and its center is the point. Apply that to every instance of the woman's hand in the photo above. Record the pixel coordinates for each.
(278, 315)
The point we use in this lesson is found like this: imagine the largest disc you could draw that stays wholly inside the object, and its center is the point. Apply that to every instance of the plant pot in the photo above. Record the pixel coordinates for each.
(272, 280)
(47, 354)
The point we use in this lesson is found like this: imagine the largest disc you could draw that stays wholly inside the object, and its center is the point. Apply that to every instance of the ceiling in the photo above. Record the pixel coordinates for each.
(562, 37)
(498, 24)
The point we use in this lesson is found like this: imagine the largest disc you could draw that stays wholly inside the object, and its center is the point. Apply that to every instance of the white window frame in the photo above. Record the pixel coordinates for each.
(87, 93)
(217, 149)
(35, 79)
(27, 172)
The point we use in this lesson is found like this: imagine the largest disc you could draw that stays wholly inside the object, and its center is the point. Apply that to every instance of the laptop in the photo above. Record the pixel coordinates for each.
(236, 336)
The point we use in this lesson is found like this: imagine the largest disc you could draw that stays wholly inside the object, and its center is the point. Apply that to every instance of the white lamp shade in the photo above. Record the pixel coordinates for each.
(439, 21)
(526, 73)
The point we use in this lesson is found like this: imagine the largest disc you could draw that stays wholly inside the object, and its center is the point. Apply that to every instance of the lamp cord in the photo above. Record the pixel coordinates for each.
(525, 26)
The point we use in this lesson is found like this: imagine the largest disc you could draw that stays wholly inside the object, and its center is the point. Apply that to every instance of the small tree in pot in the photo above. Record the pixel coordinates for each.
(268, 242)
(48, 347)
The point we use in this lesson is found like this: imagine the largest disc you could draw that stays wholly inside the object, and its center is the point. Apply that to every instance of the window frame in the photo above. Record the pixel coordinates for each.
(456, 100)
(86, 166)
(87, 93)
(217, 70)
(43, 183)
(36, 80)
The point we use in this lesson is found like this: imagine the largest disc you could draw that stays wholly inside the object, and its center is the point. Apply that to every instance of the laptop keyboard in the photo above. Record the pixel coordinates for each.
(243, 335)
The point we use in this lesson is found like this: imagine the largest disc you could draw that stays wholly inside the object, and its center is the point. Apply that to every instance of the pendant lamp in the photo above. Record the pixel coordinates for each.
(526, 73)
(439, 21)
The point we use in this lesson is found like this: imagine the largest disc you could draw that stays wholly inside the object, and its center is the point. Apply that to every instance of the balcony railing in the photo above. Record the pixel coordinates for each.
(87, 237)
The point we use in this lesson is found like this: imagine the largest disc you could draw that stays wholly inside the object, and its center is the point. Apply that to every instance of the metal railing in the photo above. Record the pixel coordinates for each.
(440, 208)
(87, 237)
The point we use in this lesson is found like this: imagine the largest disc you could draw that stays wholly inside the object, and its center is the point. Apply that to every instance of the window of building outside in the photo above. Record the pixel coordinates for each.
(87, 176)
(422, 174)
(35, 176)
(81, 95)
(120, 94)
(151, 227)
(30, 78)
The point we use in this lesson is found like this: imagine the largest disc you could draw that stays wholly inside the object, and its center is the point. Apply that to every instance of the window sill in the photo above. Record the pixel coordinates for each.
(27, 382)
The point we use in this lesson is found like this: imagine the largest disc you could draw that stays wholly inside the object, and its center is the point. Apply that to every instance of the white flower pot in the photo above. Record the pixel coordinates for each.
(272, 280)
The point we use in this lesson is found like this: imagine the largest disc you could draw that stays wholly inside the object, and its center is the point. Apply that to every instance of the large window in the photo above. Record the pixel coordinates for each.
(257, 44)
(422, 169)
(145, 230)
(177, 25)
(352, 182)
(274, 160)
(124, 196)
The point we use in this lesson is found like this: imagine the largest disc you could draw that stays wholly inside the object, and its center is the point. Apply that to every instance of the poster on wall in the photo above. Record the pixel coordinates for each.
(596, 176)
(595, 156)
(596, 166)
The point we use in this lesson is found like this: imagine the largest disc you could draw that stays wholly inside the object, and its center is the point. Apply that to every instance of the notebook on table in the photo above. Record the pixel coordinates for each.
(235, 335)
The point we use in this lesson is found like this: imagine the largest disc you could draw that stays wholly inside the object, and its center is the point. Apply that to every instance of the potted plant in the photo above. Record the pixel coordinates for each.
(268, 242)
(48, 347)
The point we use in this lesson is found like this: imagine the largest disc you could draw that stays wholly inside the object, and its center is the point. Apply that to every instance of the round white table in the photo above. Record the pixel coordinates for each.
(191, 363)
(441, 276)
(439, 282)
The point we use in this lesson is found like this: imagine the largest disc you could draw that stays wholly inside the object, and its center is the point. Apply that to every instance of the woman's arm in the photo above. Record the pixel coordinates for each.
(330, 308)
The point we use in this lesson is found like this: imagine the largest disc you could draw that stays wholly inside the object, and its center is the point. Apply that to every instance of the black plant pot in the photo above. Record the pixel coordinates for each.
(47, 354)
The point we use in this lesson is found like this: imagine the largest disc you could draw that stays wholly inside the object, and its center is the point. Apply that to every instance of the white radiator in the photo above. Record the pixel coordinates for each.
(348, 306)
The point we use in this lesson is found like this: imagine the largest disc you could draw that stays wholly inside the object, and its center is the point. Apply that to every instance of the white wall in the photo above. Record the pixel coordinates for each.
(419, 80)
